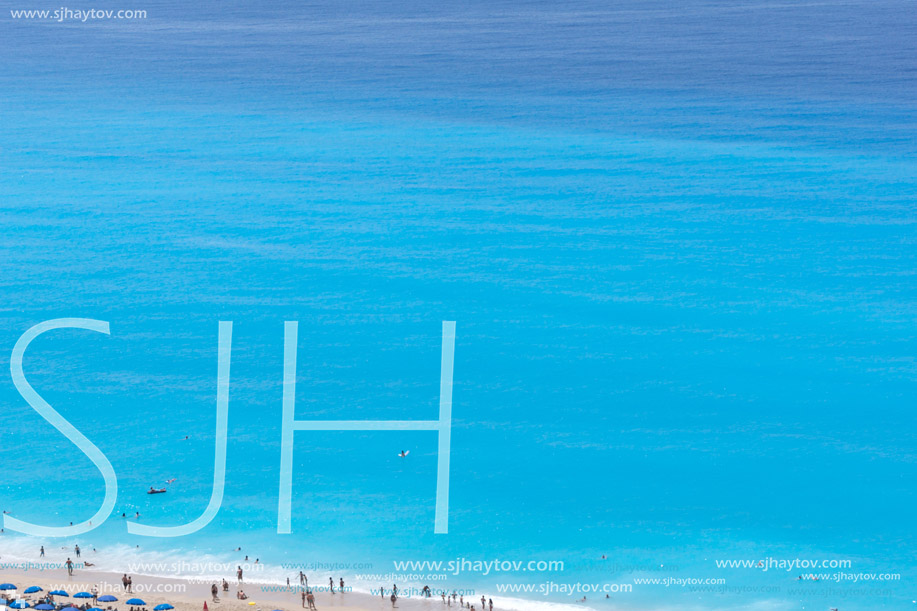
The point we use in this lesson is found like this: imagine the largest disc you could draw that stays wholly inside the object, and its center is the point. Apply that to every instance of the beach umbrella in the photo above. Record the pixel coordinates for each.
(44, 607)
(82, 595)
(7, 586)
(95, 609)
(70, 609)
(32, 589)
(20, 604)
(108, 598)
(163, 607)
(136, 602)
(58, 593)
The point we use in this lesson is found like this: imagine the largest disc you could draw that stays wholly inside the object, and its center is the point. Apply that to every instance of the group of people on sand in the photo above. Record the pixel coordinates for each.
(49, 600)
(308, 597)
(487, 604)
(215, 592)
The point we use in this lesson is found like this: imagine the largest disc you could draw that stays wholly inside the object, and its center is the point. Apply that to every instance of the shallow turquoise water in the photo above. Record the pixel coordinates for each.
(684, 293)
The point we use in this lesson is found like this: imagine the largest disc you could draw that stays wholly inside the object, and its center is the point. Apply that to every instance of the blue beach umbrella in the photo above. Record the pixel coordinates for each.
(82, 595)
(70, 609)
(32, 589)
(108, 598)
(163, 607)
(136, 601)
(20, 604)
(58, 593)
(44, 607)
(7, 586)
(95, 609)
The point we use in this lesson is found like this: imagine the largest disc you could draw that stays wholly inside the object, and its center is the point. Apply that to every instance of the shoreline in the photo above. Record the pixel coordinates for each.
(166, 576)
(190, 594)
(188, 589)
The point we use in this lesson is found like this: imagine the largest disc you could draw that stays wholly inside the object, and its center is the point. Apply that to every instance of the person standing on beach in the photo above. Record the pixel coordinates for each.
(214, 591)
(393, 598)
(301, 578)
(303, 599)
(95, 595)
(311, 598)
(331, 584)
(124, 582)
(342, 585)
(490, 603)
(42, 554)
(239, 573)
(69, 566)
(130, 584)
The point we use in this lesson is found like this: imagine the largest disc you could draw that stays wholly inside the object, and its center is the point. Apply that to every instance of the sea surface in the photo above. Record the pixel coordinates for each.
(679, 242)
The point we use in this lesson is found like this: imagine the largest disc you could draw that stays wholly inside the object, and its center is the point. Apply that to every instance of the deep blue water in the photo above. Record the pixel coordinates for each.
(678, 241)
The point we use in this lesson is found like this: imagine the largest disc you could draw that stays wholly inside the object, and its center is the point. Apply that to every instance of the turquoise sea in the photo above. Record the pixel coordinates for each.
(679, 243)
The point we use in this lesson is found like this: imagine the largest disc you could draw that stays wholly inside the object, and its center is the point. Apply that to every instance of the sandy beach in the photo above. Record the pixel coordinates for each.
(190, 595)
